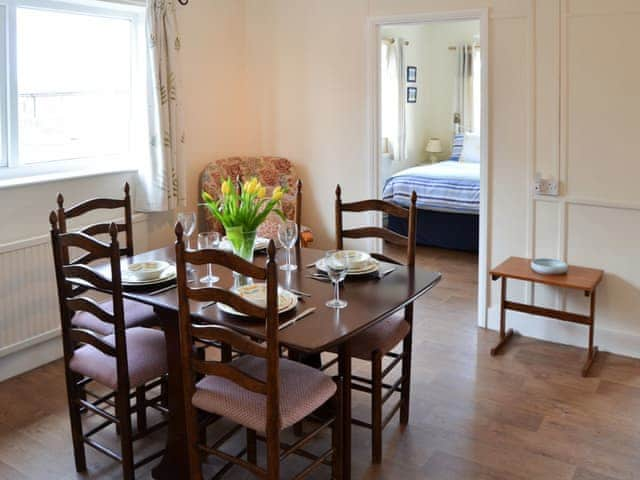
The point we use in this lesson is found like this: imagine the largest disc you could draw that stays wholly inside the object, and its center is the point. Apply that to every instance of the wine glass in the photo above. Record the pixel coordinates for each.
(208, 240)
(337, 268)
(188, 221)
(288, 234)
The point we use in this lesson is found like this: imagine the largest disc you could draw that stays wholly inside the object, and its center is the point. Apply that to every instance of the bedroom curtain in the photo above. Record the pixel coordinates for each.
(161, 179)
(463, 93)
(393, 99)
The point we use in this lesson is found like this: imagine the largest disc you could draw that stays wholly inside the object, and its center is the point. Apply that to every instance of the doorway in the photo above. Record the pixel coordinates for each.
(429, 134)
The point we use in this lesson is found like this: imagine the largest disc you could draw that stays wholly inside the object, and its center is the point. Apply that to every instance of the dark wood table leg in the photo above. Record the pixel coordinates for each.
(593, 350)
(344, 370)
(505, 336)
(175, 463)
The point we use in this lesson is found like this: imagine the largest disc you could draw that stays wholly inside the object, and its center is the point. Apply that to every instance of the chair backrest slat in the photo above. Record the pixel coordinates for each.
(87, 274)
(89, 305)
(102, 229)
(376, 205)
(226, 259)
(390, 236)
(87, 337)
(220, 295)
(190, 333)
(376, 232)
(229, 337)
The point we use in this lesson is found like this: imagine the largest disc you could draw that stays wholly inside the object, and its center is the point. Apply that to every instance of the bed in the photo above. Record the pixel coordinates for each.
(448, 203)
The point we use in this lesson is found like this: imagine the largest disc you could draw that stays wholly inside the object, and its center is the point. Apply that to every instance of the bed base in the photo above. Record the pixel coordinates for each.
(453, 231)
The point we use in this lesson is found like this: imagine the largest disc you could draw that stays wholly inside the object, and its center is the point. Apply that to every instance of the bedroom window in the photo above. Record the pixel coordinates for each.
(73, 84)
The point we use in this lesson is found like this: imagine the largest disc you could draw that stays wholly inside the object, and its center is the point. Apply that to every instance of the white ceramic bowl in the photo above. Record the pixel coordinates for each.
(354, 259)
(148, 270)
(549, 266)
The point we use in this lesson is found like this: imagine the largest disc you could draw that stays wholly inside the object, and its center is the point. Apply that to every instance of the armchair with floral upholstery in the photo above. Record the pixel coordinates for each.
(271, 172)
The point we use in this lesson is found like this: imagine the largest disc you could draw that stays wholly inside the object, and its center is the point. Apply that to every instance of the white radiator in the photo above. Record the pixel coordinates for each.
(29, 313)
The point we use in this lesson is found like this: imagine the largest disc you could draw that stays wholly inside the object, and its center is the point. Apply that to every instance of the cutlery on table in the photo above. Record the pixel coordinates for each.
(320, 278)
(385, 273)
(207, 305)
(299, 293)
(309, 265)
(304, 313)
(162, 290)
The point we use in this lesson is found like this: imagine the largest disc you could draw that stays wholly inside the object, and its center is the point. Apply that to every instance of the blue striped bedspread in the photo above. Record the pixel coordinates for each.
(445, 186)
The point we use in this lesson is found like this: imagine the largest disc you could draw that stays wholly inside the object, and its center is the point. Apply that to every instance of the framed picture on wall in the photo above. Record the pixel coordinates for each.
(412, 94)
(412, 73)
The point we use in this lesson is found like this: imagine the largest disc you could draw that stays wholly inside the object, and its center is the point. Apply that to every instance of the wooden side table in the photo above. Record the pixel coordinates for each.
(577, 278)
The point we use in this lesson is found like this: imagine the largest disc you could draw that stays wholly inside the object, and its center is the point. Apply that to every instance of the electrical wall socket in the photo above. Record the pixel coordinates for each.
(546, 186)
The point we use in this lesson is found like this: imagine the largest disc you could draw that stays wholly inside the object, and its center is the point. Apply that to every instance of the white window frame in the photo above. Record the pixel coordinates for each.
(13, 172)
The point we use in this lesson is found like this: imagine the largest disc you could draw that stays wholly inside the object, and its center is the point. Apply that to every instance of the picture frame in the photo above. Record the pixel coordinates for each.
(412, 95)
(412, 73)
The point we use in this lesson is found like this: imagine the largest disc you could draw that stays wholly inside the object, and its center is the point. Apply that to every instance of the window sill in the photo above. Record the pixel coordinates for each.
(60, 175)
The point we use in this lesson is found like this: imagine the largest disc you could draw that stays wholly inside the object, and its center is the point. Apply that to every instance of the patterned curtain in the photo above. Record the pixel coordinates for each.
(162, 177)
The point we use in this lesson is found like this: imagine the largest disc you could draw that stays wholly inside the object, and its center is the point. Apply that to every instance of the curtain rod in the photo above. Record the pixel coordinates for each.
(453, 47)
(388, 40)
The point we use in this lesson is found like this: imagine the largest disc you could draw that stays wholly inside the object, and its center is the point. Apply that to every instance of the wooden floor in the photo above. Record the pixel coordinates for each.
(524, 415)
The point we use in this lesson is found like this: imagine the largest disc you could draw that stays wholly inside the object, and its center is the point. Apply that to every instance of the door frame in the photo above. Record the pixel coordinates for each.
(373, 113)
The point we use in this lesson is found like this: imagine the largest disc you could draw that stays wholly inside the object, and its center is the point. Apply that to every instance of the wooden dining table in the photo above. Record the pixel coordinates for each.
(370, 300)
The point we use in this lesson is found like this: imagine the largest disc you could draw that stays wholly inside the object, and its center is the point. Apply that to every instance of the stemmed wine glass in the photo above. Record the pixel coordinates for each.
(209, 240)
(288, 234)
(337, 270)
(188, 221)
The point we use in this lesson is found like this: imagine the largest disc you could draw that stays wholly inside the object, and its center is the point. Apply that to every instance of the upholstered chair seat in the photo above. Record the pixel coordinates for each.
(136, 314)
(381, 337)
(302, 391)
(146, 356)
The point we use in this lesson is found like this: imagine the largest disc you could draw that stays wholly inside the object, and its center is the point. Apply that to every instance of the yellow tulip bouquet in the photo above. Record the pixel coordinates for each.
(241, 212)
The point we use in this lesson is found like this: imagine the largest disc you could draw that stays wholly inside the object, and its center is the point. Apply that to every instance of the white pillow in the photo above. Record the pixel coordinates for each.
(471, 148)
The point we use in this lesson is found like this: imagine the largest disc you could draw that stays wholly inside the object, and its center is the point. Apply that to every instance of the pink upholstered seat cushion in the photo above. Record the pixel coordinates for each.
(383, 337)
(146, 355)
(302, 390)
(136, 314)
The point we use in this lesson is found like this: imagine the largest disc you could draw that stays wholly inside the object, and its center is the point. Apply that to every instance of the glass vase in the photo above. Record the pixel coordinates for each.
(243, 243)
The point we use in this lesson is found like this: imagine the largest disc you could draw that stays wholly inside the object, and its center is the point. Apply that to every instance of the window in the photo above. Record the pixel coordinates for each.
(75, 86)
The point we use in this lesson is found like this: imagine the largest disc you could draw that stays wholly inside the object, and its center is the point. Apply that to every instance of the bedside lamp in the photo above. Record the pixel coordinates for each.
(434, 145)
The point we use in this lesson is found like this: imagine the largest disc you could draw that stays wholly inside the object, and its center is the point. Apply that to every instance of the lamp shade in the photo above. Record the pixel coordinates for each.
(434, 145)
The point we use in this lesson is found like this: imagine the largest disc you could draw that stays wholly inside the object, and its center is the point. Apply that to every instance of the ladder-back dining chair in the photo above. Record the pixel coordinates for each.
(259, 391)
(379, 340)
(136, 314)
(130, 358)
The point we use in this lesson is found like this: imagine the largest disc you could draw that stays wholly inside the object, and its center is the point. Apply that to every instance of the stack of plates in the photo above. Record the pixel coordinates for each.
(257, 293)
(360, 263)
(148, 273)
(261, 244)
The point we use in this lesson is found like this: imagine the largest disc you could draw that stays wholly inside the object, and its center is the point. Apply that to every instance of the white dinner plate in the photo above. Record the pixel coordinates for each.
(257, 293)
(261, 244)
(366, 269)
(129, 280)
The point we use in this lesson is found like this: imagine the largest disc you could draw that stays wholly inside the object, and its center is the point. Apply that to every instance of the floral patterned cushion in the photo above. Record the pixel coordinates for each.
(270, 171)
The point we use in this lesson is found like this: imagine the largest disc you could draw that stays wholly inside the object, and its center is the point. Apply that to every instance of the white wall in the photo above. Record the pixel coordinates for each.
(562, 101)
(441, 75)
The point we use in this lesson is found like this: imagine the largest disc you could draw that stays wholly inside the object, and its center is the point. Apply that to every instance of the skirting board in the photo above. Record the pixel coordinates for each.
(565, 333)
(30, 357)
